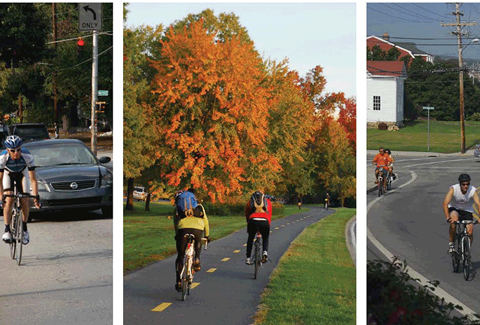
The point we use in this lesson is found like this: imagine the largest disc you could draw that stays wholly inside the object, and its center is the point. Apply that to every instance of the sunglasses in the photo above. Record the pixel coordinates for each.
(465, 184)
(15, 150)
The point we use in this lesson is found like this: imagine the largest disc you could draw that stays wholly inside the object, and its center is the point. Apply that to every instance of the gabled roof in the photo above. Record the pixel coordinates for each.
(386, 45)
(386, 68)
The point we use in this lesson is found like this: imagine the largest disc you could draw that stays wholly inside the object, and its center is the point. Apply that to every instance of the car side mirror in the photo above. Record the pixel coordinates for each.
(104, 160)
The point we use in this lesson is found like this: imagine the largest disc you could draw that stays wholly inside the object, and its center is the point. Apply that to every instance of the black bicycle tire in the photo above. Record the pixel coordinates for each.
(184, 278)
(379, 188)
(257, 256)
(466, 259)
(20, 237)
(255, 260)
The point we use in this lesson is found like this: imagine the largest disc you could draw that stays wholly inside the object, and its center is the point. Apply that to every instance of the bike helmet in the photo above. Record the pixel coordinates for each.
(388, 151)
(258, 197)
(464, 178)
(13, 142)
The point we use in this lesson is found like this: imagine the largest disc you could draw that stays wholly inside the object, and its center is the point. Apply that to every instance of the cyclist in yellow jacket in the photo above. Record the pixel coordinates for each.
(196, 225)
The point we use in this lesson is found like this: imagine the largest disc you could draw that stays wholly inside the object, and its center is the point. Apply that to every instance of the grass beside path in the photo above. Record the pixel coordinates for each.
(314, 282)
(444, 137)
(148, 236)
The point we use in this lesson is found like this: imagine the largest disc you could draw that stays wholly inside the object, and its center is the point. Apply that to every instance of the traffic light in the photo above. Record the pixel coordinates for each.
(80, 44)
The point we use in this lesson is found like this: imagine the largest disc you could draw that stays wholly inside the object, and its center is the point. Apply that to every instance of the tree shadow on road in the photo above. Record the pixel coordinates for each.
(68, 216)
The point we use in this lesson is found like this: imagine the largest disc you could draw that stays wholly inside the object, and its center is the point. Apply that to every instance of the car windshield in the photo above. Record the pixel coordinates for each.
(138, 189)
(61, 154)
(31, 133)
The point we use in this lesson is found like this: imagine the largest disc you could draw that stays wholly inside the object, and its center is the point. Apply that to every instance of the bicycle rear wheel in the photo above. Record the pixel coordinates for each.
(19, 237)
(185, 278)
(466, 258)
(256, 257)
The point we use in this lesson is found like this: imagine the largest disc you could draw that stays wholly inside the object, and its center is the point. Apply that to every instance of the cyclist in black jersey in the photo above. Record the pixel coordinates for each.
(17, 166)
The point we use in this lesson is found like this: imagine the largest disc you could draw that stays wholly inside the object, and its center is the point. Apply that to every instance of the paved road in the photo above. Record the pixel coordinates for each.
(65, 276)
(228, 295)
(410, 224)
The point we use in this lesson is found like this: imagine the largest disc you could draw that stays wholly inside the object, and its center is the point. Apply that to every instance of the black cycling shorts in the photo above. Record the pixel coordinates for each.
(462, 215)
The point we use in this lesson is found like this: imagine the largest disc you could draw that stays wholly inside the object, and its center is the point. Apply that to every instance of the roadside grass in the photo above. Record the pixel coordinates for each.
(315, 280)
(444, 137)
(148, 236)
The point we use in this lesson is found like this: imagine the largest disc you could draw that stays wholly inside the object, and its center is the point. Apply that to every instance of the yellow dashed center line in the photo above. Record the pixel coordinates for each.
(211, 270)
(237, 251)
(283, 225)
(244, 245)
(162, 306)
(194, 285)
(225, 259)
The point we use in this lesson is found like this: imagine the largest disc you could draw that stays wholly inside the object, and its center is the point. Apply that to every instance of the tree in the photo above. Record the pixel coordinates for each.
(138, 138)
(348, 119)
(211, 111)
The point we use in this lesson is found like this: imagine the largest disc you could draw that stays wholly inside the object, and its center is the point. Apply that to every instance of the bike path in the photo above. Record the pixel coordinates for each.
(226, 292)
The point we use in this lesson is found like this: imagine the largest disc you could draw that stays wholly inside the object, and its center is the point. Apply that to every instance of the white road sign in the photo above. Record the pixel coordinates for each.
(89, 16)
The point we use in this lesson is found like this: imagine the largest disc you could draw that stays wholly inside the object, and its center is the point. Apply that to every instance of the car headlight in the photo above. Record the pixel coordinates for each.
(107, 179)
(42, 186)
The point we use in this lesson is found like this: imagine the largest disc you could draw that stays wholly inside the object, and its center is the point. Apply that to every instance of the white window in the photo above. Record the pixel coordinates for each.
(376, 103)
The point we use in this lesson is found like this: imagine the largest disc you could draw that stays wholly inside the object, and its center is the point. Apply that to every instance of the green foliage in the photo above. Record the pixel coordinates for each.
(393, 298)
(377, 54)
(437, 85)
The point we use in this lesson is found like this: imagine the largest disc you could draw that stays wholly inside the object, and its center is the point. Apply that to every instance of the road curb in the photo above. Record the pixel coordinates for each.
(349, 241)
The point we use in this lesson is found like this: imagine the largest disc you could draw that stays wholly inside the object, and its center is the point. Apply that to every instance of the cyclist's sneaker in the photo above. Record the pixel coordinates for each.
(7, 237)
(26, 238)
(264, 257)
(394, 176)
(178, 286)
(451, 248)
(196, 265)
(248, 261)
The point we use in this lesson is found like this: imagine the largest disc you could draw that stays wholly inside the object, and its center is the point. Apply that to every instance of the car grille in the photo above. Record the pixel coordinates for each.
(80, 201)
(67, 186)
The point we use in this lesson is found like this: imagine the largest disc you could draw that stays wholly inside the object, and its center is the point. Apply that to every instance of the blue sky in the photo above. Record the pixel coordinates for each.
(423, 20)
(308, 34)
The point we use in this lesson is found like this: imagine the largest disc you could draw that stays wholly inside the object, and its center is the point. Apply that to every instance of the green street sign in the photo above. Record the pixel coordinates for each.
(103, 93)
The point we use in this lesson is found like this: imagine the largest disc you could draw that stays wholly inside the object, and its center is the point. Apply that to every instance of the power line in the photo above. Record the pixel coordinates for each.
(383, 13)
(443, 16)
(414, 13)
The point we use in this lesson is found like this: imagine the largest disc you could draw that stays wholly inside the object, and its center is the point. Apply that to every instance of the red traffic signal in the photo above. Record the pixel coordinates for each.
(80, 42)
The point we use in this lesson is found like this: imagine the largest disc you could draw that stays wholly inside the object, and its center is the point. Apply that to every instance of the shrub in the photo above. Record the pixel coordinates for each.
(393, 298)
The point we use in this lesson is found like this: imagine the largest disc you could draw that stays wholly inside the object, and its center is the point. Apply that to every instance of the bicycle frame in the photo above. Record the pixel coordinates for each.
(186, 275)
(17, 225)
(462, 251)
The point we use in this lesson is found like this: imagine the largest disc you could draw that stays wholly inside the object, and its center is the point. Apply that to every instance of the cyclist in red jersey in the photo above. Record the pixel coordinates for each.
(258, 213)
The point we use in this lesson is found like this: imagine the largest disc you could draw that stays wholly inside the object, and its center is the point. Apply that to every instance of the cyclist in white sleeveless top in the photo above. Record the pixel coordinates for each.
(458, 206)
(16, 164)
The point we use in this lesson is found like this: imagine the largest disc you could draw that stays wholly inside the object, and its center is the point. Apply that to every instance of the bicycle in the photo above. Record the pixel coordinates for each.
(16, 226)
(186, 276)
(326, 205)
(257, 253)
(462, 248)
(381, 183)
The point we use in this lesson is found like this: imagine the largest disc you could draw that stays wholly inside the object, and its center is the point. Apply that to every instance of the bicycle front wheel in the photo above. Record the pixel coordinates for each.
(466, 258)
(19, 237)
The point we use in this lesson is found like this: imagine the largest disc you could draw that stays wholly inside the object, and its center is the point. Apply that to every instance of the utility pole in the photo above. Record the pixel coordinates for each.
(459, 34)
(94, 92)
(54, 77)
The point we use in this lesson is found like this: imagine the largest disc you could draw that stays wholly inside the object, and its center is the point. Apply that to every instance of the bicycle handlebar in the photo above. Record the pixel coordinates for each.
(22, 196)
(466, 222)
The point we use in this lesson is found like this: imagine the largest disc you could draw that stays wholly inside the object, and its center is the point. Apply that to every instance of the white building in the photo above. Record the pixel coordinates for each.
(385, 91)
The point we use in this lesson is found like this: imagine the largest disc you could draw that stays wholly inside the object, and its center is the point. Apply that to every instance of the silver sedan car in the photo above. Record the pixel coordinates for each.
(70, 177)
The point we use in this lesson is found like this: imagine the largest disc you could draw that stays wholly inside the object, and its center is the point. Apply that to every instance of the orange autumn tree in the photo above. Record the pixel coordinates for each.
(211, 111)
(348, 119)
